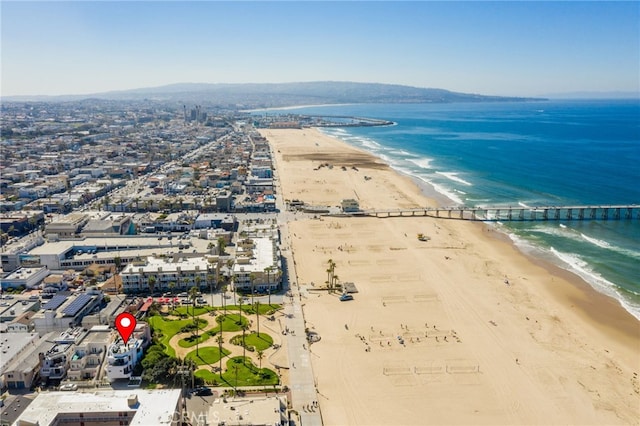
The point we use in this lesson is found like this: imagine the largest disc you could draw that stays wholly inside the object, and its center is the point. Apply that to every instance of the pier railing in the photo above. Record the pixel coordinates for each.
(513, 213)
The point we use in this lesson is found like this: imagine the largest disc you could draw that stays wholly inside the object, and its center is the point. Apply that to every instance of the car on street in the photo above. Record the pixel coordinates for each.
(69, 387)
(203, 391)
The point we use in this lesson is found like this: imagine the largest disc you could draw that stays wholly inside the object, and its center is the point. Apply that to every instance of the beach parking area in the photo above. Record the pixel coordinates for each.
(459, 329)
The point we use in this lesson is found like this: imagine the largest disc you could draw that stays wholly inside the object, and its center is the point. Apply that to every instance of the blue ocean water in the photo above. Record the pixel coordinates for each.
(527, 153)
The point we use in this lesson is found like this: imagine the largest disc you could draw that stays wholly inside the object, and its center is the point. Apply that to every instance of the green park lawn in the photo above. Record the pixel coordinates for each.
(188, 310)
(229, 322)
(207, 355)
(168, 329)
(248, 374)
(190, 341)
(260, 342)
(253, 341)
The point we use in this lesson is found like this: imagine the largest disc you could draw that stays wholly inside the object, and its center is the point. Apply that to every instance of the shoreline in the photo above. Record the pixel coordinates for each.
(554, 266)
(491, 342)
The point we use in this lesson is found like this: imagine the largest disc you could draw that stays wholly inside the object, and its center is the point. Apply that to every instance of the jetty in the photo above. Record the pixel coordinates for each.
(512, 213)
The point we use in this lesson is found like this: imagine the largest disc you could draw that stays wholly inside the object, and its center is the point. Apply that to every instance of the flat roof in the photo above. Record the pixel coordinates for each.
(263, 256)
(120, 244)
(11, 344)
(154, 407)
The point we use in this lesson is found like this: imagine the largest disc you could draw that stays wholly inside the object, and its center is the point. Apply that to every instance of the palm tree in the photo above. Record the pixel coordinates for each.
(252, 278)
(172, 286)
(198, 281)
(224, 299)
(268, 270)
(245, 327)
(118, 262)
(152, 284)
(221, 245)
(258, 316)
(210, 278)
(193, 295)
(330, 272)
(260, 355)
(220, 340)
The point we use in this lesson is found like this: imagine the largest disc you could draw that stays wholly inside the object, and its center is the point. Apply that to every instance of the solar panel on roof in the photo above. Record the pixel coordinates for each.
(77, 305)
(55, 302)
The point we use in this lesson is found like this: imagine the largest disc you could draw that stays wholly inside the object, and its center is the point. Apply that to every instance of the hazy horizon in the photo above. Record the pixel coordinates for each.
(489, 48)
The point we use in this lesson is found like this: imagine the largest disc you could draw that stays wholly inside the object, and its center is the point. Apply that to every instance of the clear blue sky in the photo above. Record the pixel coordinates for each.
(501, 48)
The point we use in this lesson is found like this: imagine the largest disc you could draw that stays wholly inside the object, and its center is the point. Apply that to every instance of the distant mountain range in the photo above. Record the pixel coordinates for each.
(255, 95)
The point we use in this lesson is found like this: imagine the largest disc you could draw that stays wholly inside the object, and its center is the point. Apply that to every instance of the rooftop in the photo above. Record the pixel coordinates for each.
(153, 407)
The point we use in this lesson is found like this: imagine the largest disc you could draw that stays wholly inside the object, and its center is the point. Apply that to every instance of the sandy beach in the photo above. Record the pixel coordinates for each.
(459, 329)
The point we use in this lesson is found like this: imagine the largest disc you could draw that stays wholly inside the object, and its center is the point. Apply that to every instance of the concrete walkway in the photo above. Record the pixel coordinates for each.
(301, 378)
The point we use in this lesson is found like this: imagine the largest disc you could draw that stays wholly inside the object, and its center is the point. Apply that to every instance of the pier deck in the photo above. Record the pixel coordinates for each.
(513, 213)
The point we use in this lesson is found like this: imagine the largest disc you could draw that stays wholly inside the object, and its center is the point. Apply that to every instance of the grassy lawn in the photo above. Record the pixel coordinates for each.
(260, 342)
(249, 308)
(187, 342)
(188, 310)
(207, 355)
(248, 374)
(167, 329)
(229, 322)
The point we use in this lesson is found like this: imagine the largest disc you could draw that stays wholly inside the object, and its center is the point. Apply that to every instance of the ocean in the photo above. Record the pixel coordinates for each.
(528, 154)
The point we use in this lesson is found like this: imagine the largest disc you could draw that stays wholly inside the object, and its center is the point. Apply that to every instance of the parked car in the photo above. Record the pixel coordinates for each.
(346, 297)
(69, 387)
(203, 391)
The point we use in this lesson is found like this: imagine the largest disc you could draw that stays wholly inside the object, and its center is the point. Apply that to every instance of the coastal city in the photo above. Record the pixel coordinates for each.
(280, 213)
(276, 275)
(172, 215)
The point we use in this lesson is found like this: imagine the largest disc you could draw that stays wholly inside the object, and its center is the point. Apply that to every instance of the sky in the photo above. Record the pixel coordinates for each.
(511, 48)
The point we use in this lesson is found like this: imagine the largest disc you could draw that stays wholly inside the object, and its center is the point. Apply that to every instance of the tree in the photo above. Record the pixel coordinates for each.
(220, 340)
(210, 278)
(198, 281)
(221, 246)
(172, 286)
(118, 262)
(193, 295)
(152, 284)
(260, 355)
(244, 327)
(330, 273)
(224, 299)
(268, 270)
(258, 316)
(252, 278)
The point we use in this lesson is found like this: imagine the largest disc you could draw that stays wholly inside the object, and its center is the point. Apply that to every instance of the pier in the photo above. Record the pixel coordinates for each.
(513, 213)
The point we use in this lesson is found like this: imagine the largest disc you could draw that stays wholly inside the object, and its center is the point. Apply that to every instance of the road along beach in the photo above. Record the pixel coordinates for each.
(459, 329)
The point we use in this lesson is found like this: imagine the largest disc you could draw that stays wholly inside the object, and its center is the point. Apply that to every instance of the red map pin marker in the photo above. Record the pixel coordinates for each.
(125, 323)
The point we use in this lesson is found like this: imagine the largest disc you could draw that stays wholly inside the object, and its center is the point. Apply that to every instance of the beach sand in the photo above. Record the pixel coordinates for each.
(543, 348)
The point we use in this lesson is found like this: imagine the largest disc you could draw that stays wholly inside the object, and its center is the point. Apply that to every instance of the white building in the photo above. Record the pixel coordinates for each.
(64, 311)
(122, 358)
(134, 407)
(89, 354)
(257, 259)
(183, 273)
(24, 277)
(14, 348)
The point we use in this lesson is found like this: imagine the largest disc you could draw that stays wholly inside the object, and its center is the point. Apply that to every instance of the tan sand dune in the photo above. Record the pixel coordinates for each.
(435, 335)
